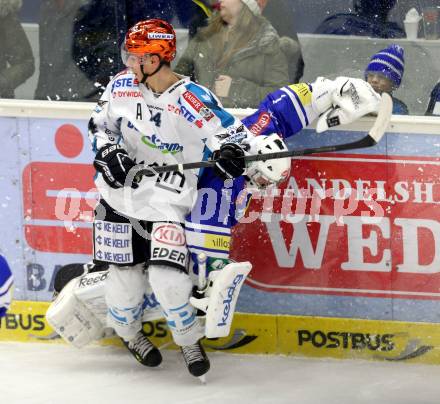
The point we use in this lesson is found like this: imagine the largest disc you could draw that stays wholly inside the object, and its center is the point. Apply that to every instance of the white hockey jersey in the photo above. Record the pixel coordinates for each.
(183, 124)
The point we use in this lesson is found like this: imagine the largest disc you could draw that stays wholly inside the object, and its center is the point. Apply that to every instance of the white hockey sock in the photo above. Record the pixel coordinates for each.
(173, 289)
(124, 294)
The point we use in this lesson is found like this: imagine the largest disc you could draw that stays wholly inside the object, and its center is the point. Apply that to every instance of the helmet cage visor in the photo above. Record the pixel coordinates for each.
(130, 59)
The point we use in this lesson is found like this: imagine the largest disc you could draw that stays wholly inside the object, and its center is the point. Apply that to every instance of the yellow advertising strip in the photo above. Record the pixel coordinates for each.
(359, 339)
(270, 334)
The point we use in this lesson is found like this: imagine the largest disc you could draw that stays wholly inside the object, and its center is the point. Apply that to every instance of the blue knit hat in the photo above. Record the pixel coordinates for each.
(389, 62)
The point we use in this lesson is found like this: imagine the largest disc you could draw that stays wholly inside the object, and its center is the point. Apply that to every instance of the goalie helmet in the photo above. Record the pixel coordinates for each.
(154, 36)
(267, 172)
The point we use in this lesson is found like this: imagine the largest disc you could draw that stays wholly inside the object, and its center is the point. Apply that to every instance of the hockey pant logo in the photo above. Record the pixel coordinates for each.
(168, 245)
(113, 242)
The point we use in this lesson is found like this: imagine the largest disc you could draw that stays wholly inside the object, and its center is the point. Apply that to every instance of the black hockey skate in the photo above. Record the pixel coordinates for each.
(195, 359)
(143, 350)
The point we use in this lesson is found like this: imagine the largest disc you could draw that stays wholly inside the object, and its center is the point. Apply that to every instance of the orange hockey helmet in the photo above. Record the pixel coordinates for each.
(154, 36)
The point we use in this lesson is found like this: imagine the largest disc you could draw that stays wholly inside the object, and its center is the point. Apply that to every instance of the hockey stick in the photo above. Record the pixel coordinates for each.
(373, 137)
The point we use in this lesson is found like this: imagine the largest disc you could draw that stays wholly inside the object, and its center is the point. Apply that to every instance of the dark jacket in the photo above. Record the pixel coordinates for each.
(368, 19)
(16, 58)
(399, 107)
(256, 70)
(434, 101)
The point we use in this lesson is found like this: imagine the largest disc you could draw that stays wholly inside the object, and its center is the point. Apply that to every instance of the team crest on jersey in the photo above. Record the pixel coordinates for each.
(198, 105)
(262, 121)
(233, 135)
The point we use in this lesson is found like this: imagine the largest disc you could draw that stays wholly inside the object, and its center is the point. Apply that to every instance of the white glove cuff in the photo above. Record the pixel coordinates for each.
(322, 94)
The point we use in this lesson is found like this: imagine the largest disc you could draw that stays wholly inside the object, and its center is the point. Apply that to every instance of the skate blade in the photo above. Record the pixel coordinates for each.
(202, 379)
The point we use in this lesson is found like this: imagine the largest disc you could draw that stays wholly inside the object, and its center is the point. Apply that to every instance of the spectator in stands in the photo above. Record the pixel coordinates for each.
(60, 78)
(434, 101)
(16, 58)
(385, 72)
(280, 14)
(370, 18)
(237, 55)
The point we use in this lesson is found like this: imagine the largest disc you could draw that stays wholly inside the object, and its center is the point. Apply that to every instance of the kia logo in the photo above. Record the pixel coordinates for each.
(169, 234)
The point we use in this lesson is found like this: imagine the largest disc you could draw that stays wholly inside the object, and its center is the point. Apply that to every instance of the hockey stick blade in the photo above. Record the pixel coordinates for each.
(383, 118)
(374, 136)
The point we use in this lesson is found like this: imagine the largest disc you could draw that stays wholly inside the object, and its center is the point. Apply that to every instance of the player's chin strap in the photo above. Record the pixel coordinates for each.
(145, 76)
(220, 298)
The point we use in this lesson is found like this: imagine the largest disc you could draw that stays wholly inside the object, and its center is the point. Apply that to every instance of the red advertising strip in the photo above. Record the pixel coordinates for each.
(58, 206)
(355, 225)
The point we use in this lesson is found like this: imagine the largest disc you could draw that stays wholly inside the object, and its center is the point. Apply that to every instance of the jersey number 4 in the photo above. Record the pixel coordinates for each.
(156, 118)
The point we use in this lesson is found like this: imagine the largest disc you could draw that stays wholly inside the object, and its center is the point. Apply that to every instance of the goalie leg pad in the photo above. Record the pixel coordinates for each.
(72, 320)
(221, 298)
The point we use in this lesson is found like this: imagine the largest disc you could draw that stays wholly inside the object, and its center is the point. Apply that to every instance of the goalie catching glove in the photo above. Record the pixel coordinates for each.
(113, 162)
(342, 101)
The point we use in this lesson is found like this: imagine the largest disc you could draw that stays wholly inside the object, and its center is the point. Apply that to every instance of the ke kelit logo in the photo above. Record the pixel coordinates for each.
(355, 225)
(154, 142)
(169, 234)
(262, 121)
(198, 105)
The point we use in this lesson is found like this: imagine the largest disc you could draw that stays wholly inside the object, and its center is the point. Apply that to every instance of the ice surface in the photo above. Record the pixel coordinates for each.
(58, 374)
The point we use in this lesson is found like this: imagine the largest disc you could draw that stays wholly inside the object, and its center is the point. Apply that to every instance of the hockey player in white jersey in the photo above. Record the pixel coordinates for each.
(150, 115)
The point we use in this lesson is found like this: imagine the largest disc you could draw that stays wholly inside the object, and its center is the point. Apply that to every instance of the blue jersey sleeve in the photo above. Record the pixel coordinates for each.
(285, 112)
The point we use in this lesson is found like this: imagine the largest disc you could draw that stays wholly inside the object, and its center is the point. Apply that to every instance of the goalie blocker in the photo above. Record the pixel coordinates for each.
(78, 313)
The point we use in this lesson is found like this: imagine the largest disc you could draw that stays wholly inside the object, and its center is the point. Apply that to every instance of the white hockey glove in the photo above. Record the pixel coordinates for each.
(221, 298)
(342, 101)
(267, 172)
